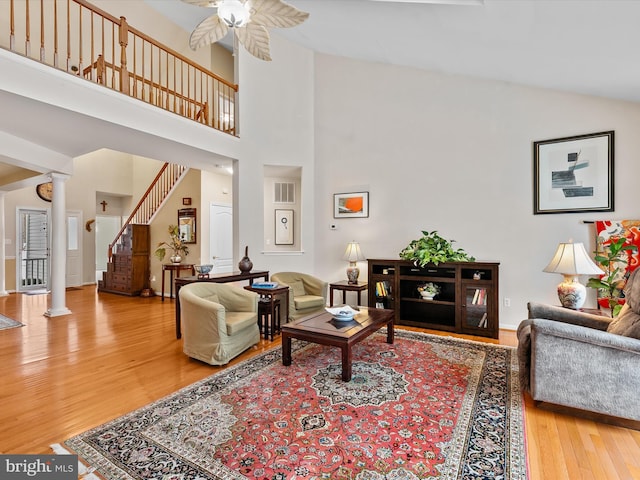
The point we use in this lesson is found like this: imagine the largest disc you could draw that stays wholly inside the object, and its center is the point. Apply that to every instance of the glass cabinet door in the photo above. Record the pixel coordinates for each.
(476, 311)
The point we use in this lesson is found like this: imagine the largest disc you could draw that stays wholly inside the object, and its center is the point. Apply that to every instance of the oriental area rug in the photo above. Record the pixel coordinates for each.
(426, 407)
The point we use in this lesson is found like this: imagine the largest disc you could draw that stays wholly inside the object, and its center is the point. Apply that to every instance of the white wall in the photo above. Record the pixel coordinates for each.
(270, 207)
(276, 115)
(454, 154)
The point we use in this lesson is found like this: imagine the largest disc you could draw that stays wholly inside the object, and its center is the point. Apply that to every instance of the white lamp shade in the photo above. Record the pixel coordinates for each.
(234, 13)
(353, 253)
(572, 259)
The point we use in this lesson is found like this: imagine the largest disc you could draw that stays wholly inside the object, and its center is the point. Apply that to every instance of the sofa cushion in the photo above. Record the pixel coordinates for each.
(212, 298)
(238, 321)
(298, 288)
(632, 292)
(308, 301)
(627, 323)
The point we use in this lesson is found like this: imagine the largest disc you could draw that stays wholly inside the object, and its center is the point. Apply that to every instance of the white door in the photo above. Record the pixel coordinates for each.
(74, 249)
(32, 247)
(221, 238)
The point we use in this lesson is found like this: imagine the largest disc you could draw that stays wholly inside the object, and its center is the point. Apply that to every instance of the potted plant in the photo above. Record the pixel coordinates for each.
(432, 248)
(429, 290)
(175, 244)
(611, 284)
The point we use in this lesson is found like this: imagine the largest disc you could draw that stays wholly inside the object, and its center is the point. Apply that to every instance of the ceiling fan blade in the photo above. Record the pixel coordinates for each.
(210, 30)
(276, 13)
(255, 39)
(203, 3)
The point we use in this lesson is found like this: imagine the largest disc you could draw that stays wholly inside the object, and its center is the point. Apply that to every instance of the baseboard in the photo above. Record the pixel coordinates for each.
(596, 417)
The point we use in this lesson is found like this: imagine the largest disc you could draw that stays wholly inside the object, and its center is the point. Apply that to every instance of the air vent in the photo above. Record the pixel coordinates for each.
(284, 192)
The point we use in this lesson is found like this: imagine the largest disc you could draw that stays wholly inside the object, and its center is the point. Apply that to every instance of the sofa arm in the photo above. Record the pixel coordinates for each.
(582, 334)
(566, 315)
(584, 368)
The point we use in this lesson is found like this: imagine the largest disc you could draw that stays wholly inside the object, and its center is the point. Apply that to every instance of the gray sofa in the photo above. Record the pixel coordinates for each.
(583, 363)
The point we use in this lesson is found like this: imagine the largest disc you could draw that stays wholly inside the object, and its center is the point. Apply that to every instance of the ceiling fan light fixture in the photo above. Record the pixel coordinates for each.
(233, 13)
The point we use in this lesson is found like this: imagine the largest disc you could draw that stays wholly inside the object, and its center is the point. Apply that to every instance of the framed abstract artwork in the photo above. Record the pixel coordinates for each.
(351, 205)
(574, 174)
(284, 227)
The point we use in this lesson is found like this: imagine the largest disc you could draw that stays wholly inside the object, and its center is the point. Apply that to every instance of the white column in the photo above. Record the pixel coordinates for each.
(3, 285)
(58, 257)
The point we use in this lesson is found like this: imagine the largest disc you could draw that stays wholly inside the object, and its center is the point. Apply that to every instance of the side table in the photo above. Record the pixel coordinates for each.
(174, 267)
(345, 286)
(268, 301)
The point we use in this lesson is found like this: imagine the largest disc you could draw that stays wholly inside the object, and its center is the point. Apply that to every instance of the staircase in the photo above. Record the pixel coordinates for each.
(128, 267)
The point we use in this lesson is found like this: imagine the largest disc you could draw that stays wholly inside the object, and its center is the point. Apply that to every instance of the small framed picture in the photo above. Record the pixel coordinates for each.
(186, 200)
(573, 174)
(351, 205)
(284, 227)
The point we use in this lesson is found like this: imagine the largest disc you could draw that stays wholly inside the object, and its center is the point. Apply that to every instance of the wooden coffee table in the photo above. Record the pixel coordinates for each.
(322, 328)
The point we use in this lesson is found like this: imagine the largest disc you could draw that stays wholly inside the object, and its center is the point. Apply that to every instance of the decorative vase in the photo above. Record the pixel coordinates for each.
(245, 264)
(175, 258)
(427, 295)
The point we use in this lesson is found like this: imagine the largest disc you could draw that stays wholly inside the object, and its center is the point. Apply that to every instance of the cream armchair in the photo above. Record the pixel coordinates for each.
(307, 294)
(219, 321)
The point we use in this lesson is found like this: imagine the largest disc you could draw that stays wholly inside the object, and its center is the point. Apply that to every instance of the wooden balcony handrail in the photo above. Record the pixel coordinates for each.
(146, 37)
(100, 64)
(120, 57)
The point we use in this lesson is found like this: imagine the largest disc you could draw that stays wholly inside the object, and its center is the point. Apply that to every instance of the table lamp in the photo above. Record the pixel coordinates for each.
(571, 260)
(353, 254)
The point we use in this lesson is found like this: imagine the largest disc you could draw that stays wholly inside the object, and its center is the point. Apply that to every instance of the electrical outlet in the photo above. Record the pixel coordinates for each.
(507, 302)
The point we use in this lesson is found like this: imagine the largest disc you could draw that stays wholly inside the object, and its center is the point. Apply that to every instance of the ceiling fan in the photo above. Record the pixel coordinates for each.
(249, 20)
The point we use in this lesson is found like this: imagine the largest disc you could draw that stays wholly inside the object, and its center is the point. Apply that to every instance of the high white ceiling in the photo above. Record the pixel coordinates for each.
(584, 46)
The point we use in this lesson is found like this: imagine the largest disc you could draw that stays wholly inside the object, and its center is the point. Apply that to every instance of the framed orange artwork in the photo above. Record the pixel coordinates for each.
(351, 205)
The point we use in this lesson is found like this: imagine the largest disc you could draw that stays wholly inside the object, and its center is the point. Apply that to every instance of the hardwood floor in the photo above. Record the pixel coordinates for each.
(64, 375)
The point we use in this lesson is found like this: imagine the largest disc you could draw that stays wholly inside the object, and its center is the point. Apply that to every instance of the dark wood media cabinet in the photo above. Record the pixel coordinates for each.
(467, 302)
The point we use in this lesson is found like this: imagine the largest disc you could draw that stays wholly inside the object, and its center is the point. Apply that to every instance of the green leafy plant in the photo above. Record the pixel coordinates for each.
(614, 255)
(432, 248)
(175, 244)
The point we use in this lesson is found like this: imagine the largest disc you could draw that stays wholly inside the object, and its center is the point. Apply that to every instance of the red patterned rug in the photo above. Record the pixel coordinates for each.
(426, 407)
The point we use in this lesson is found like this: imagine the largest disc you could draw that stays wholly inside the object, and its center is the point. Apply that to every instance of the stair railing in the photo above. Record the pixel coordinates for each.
(152, 199)
(83, 40)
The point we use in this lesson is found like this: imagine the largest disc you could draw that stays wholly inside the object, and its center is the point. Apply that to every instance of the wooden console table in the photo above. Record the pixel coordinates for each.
(174, 267)
(215, 278)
